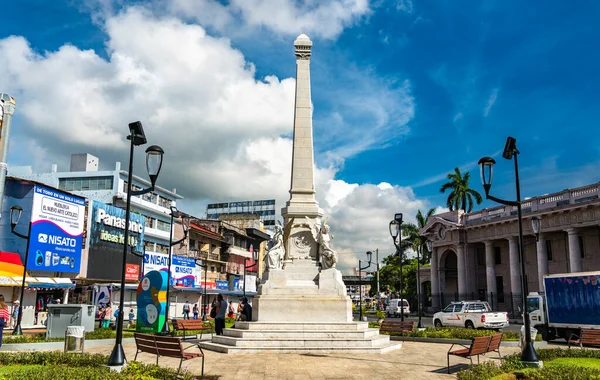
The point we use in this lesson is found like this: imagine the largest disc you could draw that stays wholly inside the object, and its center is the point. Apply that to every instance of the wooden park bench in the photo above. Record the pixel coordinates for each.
(167, 346)
(190, 325)
(394, 326)
(588, 337)
(479, 346)
(494, 345)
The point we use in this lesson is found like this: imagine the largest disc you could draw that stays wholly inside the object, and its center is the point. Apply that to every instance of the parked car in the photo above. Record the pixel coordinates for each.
(472, 315)
(395, 308)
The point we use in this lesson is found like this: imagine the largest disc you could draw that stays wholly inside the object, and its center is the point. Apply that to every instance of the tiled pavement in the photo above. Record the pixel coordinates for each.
(414, 361)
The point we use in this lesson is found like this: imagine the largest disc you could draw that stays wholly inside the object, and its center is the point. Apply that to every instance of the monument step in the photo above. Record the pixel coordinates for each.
(304, 326)
(239, 333)
(391, 346)
(284, 342)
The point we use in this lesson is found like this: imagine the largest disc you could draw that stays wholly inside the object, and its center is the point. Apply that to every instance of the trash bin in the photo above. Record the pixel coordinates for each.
(533, 331)
(74, 338)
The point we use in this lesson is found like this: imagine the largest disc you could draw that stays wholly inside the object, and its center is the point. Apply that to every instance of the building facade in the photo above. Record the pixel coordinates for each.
(476, 255)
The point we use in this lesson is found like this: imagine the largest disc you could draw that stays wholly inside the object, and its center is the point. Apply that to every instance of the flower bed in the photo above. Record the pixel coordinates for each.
(100, 334)
(57, 365)
(459, 333)
(511, 368)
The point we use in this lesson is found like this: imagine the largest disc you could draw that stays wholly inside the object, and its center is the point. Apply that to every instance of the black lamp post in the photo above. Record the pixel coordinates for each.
(154, 156)
(15, 216)
(255, 259)
(360, 269)
(205, 266)
(174, 214)
(487, 170)
(395, 232)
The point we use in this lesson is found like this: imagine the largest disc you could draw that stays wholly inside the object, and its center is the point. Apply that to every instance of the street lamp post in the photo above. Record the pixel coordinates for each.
(528, 353)
(395, 232)
(205, 309)
(360, 269)
(174, 214)
(15, 216)
(154, 156)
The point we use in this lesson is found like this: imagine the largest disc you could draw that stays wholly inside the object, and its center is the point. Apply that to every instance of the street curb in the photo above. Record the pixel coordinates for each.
(57, 345)
(460, 341)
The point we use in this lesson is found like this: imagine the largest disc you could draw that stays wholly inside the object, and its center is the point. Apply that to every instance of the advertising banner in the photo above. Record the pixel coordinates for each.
(108, 227)
(102, 296)
(183, 271)
(56, 231)
(155, 261)
(132, 272)
(152, 302)
(223, 284)
(250, 283)
(237, 284)
(209, 284)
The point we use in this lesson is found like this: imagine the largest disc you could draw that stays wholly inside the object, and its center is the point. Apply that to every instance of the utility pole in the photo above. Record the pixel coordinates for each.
(378, 292)
(7, 109)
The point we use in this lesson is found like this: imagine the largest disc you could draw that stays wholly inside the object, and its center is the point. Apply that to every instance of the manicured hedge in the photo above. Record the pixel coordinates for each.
(460, 333)
(37, 365)
(512, 363)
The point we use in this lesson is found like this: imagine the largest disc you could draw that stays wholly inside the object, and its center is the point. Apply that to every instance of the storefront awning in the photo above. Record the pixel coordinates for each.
(39, 283)
(8, 281)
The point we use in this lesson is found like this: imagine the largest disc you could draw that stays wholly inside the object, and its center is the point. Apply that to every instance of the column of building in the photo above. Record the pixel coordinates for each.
(490, 271)
(513, 262)
(574, 251)
(542, 260)
(435, 280)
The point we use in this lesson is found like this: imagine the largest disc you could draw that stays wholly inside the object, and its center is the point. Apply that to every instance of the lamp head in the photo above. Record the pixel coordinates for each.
(536, 224)
(429, 246)
(486, 165)
(510, 149)
(137, 135)
(154, 158)
(174, 212)
(394, 229)
(185, 223)
(15, 215)
(369, 255)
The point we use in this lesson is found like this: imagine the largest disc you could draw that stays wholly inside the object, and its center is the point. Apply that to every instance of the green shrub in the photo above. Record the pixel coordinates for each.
(380, 314)
(460, 333)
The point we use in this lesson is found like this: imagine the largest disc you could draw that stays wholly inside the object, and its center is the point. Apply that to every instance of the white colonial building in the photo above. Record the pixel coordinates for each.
(476, 255)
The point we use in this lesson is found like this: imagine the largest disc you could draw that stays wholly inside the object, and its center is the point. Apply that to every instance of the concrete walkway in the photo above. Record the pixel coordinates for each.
(413, 361)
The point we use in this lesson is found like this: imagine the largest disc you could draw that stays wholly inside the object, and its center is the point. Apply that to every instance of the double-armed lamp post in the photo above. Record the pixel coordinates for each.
(396, 233)
(15, 216)
(154, 158)
(185, 223)
(360, 281)
(487, 170)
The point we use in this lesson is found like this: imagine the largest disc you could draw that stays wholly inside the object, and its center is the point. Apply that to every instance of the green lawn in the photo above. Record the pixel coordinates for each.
(579, 362)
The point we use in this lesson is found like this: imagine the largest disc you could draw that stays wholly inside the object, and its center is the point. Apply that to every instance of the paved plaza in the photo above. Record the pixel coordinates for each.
(414, 361)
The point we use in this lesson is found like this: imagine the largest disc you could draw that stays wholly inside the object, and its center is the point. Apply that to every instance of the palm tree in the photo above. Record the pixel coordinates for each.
(462, 195)
(417, 242)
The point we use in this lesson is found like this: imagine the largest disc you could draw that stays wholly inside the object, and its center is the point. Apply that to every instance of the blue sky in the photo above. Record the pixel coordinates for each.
(403, 91)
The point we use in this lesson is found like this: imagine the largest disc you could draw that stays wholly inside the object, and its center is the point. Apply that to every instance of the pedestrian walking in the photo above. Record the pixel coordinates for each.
(131, 318)
(4, 316)
(220, 315)
(195, 311)
(107, 316)
(186, 310)
(15, 314)
(230, 313)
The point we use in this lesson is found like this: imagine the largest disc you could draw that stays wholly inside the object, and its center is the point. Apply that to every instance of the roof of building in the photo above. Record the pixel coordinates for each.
(206, 231)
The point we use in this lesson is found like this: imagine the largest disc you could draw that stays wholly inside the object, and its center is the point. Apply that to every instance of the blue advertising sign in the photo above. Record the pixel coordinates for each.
(237, 283)
(223, 284)
(57, 220)
(183, 271)
(108, 227)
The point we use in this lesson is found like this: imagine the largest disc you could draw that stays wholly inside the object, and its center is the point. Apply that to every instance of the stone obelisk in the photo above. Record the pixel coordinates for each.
(305, 286)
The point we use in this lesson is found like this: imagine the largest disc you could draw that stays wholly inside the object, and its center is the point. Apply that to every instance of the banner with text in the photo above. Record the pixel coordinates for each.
(57, 220)
(183, 271)
(108, 227)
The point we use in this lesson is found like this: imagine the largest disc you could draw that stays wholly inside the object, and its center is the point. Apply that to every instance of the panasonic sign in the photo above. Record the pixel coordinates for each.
(114, 221)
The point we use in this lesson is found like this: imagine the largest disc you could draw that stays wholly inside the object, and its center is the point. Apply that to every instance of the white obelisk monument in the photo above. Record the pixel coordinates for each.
(301, 283)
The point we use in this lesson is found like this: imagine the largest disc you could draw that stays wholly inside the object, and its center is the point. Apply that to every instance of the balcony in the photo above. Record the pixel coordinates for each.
(156, 233)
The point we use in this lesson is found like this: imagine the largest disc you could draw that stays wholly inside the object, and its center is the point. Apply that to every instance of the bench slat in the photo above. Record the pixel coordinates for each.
(480, 345)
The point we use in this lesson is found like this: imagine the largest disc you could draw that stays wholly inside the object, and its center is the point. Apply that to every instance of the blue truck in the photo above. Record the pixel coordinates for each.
(569, 303)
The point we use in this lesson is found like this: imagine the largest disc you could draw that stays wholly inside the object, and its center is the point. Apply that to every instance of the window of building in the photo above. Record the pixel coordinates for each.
(164, 202)
(163, 226)
(149, 222)
(581, 247)
(549, 249)
(148, 246)
(212, 268)
(500, 289)
(480, 252)
(192, 244)
(85, 183)
(497, 255)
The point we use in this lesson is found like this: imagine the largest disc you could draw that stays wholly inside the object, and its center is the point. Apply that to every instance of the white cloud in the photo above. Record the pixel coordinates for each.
(491, 101)
(326, 18)
(405, 6)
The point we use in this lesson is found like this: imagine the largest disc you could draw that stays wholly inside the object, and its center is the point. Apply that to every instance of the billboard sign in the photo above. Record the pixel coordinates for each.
(183, 271)
(108, 227)
(155, 261)
(151, 302)
(57, 223)
(132, 272)
(223, 284)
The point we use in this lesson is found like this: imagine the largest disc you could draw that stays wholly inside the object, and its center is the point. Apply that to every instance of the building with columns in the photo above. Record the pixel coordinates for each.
(476, 255)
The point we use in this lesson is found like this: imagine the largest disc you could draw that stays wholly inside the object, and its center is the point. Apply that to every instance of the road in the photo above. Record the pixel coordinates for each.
(428, 322)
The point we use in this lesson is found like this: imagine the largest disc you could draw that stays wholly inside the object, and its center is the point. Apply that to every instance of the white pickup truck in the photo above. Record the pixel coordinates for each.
(472, 315)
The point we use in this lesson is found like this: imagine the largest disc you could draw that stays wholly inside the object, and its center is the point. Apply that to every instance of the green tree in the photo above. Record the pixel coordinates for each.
(417, 242)
(461, 196)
